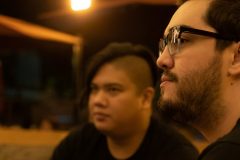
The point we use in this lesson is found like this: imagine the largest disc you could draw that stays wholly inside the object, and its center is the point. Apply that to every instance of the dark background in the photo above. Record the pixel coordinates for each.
(135, 22)
(38, 84)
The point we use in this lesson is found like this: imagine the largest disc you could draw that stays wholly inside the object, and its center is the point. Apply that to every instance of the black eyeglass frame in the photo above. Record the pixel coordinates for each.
(204, 33)
(176, 32)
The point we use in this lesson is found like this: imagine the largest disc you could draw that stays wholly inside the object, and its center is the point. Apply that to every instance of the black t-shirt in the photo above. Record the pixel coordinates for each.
(160, 143)
(226, 148)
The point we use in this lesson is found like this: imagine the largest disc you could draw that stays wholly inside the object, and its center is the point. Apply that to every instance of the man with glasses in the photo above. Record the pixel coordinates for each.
(119, 92)
(200, 85)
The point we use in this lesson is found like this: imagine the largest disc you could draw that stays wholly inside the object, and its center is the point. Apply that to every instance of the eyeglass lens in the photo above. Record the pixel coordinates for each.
(172, 40)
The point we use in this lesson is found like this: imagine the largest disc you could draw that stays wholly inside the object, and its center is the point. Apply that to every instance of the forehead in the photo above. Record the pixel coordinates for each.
(191, 13)
(110, 73)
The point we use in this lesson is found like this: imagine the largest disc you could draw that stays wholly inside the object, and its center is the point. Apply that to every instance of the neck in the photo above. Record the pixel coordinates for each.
(122, 147)
(228, 105)
(220, 129)
(227, 121)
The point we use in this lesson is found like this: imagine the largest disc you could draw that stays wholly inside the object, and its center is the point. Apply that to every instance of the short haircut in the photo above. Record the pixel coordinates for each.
(116, 51)
(120, 54)
(224, 17)
(137, 70)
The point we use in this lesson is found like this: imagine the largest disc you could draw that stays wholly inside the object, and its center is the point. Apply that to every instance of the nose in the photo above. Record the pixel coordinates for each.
(98, 99)
(165, 60)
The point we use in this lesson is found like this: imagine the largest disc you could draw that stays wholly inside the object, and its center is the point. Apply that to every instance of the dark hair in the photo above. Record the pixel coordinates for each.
(118, 50)
(113, 52)
(224, 16)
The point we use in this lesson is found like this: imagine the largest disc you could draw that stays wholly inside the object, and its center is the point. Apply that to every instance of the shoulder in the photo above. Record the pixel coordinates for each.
(171, 142)
(227, 147)
(76, 141)
(221, 151)
(82, 133)
(168, 133)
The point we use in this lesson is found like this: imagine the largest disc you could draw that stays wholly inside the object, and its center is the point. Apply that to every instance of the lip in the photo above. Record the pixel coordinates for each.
(100, 116)
(164, 80)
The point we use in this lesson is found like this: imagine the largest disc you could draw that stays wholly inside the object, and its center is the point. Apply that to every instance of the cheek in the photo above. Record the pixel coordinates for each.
(125, 106)
(185, 72)
(198, 54)
(193, 62)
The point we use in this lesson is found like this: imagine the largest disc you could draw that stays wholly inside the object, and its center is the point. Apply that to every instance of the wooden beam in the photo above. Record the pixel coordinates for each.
(13, 26)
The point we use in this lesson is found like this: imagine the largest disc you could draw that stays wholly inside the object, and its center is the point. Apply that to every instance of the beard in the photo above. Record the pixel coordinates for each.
(198, 100)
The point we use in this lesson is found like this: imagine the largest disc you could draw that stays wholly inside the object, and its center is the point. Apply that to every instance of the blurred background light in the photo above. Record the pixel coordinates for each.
(78, 5)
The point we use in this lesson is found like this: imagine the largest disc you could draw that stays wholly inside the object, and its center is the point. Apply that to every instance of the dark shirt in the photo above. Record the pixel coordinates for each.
(160, 143)
(226, 148)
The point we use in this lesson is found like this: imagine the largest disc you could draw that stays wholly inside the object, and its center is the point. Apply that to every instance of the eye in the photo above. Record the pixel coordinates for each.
(162, 44)
(183, 40)
(113, 90)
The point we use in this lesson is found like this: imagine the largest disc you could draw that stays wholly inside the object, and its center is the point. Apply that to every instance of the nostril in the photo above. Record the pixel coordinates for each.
(164, 67)
(161, 62)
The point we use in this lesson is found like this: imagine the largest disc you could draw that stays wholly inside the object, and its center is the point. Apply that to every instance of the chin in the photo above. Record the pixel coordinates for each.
(168, 91)
(103, 127)
(167, 102)
(168, 97)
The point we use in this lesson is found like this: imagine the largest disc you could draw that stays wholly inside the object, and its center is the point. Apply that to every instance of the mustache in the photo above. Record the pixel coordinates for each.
(170, 75)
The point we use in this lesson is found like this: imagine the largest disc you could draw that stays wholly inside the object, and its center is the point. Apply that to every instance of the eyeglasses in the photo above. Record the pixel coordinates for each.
(173, 40)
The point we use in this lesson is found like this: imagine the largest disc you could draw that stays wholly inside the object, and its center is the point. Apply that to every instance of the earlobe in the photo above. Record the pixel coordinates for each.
(235, 67)
(148, 95)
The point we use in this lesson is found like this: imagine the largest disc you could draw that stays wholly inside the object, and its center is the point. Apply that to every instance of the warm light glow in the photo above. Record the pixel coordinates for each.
(80, 4)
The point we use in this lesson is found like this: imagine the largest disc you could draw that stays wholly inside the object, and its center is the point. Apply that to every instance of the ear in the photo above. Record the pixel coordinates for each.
(148, 95)
(234, 69)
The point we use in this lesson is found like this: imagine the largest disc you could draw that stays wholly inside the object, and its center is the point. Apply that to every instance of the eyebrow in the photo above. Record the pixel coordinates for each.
(214, 34)
(107, 84)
